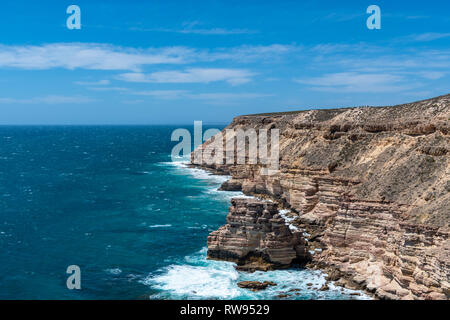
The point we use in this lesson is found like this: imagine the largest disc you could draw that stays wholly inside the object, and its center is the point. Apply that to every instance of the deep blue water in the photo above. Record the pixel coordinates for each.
(109, 200)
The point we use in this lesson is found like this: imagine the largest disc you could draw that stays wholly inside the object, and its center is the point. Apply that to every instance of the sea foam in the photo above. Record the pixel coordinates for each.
(196, 277)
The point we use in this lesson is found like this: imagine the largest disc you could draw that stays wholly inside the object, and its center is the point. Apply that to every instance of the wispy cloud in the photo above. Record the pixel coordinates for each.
(365, 68)
(194, 75)
(210, 97)
(119, 89)
(200, 31)
(247, 53)
(412, 61)
(163, 94)
(342, 17)
(362, 68)
(416, 17)
(94, 56)
(100, 85)
(228, 99)
(216, 31)
(424, 37)
(217, 96)
(88, 56)
(430, 36)
(93, 83)
(356, 82)
(432, 75)
(359, 67)
(194, 27)
(51, 99)
(137, 101)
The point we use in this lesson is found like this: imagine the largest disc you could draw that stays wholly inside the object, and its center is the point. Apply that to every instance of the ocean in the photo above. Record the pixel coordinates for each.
(109, 200)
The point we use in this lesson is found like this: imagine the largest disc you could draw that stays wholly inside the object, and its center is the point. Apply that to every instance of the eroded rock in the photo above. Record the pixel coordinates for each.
(370, 184)
(255, 285)
(256, 237)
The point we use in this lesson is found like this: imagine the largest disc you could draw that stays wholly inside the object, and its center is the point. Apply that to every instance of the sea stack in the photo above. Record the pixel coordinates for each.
(256, 237)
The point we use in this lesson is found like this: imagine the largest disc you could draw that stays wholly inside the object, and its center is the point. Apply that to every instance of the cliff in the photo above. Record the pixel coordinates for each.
(369, 186)
(256, 237)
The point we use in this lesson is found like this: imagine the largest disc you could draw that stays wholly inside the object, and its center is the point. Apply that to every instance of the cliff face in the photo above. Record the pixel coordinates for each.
(370, 187)
(256, 237)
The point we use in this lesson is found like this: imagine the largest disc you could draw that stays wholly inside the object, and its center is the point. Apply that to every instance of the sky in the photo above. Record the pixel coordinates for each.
(173, 62)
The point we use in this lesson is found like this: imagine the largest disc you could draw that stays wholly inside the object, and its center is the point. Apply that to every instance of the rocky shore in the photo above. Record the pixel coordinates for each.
(256, 237)
(368, 192)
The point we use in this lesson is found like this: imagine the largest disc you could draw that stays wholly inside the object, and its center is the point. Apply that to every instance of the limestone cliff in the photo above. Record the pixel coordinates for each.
(370, 187)
(256, 237)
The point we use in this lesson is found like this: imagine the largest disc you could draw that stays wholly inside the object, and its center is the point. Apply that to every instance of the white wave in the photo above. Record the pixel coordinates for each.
(196, 173)
(199, 278)
(225, 195)
(160, 226)
(288, 220)
(114, 271)
(306, 283)
(181, 164)
(203, 226)
(144, 172)
(213, 280)
(201, 174)
(214, 181)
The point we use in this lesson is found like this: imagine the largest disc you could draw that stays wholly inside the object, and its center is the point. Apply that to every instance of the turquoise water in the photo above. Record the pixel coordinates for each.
(109, 200)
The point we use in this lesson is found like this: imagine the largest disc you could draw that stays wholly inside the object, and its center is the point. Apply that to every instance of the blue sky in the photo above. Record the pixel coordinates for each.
(173, 62)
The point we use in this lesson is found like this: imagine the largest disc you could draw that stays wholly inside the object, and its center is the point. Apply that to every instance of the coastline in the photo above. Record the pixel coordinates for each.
(331, 275)
(369, 187)
(293, 283)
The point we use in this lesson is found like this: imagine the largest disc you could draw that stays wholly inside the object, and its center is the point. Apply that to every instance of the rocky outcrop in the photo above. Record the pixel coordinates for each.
(373, 249)
(370, 186)
(256, 237)
(255, 285)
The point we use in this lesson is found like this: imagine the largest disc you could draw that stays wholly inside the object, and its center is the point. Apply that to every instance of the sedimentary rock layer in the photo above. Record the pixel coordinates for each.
(256, 237)
(370, 185)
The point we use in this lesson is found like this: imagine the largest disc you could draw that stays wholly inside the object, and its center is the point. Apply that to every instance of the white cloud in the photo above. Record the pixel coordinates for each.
(422, 37)
(373, 69)
(356, 82)
(133, 101)
(133, 77)
(215, 31)
(210, 97)
(248, 53)
(94, 56)
(350, 79)
(417, 17)
(51, 99)
(93, 83)
(430, 36)
(432, 75)
(87, 56)
(357, 67)
(342, 17)
(192, 27)
(120, 89)
(163, 94)
(228, 96)
(193, 75)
